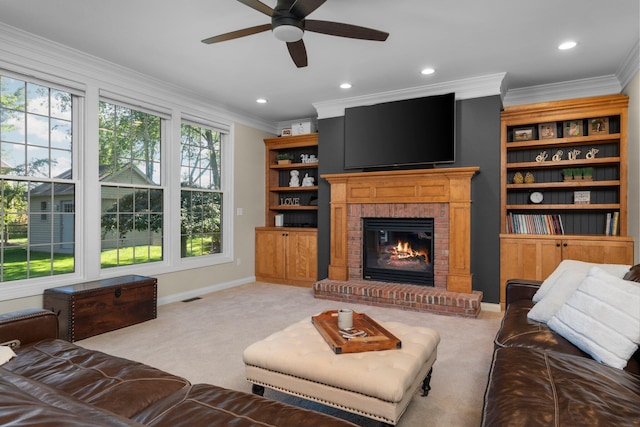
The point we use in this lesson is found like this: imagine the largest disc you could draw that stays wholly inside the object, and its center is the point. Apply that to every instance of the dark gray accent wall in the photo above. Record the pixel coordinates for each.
(330, 147)
(477, 144)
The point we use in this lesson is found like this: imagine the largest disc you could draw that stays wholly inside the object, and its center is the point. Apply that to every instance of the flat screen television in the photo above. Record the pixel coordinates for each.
(404, 134)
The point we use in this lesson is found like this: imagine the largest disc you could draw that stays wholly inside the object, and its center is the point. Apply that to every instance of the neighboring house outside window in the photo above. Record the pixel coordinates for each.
(132, 217)
(37, 184)
(201, 195)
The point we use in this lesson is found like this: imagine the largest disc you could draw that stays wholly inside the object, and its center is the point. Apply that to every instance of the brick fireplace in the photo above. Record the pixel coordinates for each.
(441, 194)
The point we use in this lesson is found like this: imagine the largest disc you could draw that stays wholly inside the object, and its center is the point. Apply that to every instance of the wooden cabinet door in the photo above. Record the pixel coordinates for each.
(270, 255)
(302, 256)
(599, 251)
(536, 257)
(524, 258)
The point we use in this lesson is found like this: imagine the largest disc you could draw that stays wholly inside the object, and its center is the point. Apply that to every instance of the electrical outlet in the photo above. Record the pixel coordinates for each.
(238, 261)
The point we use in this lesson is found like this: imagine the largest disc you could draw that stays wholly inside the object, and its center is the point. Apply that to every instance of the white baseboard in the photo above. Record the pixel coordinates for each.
(488, 306)
(206, 290)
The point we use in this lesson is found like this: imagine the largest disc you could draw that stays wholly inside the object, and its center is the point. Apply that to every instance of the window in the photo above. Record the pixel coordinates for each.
(54, 208)
(201, 196)
(132, 214)
(37, 188)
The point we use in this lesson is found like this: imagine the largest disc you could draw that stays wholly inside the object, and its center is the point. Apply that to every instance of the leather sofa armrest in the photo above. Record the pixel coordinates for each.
(28, 326)
(519, 289)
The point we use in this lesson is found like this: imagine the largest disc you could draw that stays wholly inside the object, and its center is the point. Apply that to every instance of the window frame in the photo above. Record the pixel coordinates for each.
(161, 185)
(33, 286)
(87, 93)
(226, 189)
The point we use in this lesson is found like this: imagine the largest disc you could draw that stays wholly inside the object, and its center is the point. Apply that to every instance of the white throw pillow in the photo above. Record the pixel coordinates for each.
(618, 270)
(557, 295)
(6, 354)
(602, 318)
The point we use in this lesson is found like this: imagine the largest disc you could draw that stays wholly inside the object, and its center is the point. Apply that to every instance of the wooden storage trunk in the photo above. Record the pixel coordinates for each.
(92, 308)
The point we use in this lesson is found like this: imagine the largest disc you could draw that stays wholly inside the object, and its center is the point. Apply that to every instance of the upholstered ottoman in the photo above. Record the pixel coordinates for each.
(375, 384)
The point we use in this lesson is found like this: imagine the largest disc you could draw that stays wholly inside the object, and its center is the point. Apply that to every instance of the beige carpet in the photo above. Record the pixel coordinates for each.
(203, 341)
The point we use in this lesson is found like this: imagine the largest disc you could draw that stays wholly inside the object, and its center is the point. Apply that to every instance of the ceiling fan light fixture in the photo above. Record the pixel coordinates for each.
(288, 33)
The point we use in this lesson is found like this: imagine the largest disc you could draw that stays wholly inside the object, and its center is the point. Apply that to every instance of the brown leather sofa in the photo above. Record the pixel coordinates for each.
(52, 382)
(538, 378)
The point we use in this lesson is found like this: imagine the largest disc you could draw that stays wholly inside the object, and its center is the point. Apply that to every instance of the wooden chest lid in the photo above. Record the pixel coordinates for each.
(107, 285)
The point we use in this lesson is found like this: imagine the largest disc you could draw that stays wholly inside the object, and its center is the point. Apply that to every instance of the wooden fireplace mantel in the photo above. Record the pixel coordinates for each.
(447, 185)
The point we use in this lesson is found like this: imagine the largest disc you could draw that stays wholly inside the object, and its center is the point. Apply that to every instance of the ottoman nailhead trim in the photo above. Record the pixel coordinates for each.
(318, 382)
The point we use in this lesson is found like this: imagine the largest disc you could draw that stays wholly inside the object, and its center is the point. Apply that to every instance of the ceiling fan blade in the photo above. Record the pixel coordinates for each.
(237, 34)
(344, 30)
(302, 8)
(258, 5)
(298, 53)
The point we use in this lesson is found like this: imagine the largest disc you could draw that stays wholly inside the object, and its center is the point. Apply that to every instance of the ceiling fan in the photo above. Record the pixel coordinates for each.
(288, 24)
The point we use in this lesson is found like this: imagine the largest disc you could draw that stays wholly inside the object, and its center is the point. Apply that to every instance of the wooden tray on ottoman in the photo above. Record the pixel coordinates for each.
(378, 338)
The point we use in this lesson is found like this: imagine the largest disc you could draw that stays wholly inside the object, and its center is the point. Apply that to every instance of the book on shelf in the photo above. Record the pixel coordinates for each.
(534, 224)
(612, 224)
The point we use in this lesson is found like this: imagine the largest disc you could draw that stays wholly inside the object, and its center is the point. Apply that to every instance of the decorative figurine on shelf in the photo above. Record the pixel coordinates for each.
(573, 154)
(591, 154)
(518, 178)
(307, 181)
(528, 178)
(558, 156)
(542, 157)
(308, 158)
(294, 181)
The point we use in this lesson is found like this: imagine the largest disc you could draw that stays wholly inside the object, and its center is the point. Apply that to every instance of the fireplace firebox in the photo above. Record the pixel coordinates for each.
(398, 250)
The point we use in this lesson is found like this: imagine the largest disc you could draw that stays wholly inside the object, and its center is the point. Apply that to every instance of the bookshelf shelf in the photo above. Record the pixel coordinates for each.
(535, 143)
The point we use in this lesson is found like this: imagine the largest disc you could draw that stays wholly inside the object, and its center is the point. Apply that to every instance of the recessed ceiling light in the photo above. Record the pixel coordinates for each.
(345, 86)
(261, 101)
(567, 45)
(427, 71)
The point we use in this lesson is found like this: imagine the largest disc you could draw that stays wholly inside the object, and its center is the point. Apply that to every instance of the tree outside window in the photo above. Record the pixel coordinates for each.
(37, 191)
(132, 213)
(201, 197)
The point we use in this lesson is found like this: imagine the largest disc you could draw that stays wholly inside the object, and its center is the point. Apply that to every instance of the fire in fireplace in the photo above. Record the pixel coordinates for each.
(398, 250)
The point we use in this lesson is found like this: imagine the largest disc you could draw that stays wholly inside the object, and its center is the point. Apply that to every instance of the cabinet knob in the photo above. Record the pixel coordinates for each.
(118, 292)
(557, 245)
(564, 244)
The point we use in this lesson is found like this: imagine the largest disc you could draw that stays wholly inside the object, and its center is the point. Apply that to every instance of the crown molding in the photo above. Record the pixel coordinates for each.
(35, 56)
(596, 86)
(464, 89)
(630, 68)
(604, 85)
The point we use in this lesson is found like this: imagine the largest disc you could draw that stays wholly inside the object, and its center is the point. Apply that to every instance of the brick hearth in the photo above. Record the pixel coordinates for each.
(406, 297)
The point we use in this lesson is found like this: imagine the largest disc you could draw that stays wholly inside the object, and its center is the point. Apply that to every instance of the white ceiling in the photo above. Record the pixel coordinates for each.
(461, 39)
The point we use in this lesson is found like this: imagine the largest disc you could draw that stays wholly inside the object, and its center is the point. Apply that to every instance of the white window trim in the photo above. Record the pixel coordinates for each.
(29, 287)
(226, 187)
(87, 266)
